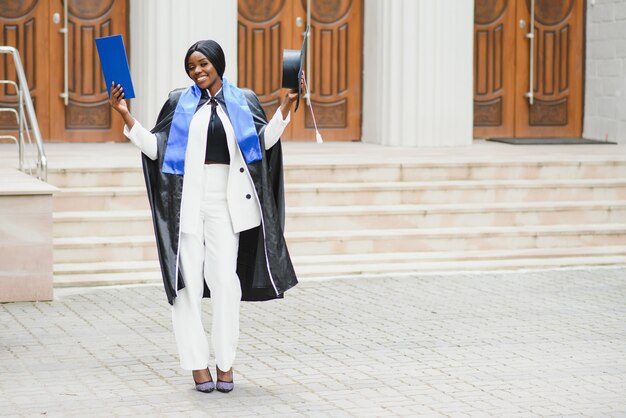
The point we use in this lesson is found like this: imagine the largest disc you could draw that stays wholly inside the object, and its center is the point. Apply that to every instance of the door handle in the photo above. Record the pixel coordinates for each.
(64, 31)
(299, 22)
(307, 76)
(531, 37)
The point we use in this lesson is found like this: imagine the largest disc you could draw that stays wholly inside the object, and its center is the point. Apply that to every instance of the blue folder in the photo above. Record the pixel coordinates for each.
(115, 64)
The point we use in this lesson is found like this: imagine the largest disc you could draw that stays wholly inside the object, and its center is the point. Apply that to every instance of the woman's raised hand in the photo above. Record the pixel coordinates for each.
(291, 96)
(116, 99)
(117, 102)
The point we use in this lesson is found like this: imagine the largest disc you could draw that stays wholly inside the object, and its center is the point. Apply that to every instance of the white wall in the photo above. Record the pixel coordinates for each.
(160, 34)
(417, 86)
(605, 81)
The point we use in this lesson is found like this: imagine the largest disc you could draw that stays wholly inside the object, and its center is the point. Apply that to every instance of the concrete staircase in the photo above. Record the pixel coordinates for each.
(353, 219)
(102, 227)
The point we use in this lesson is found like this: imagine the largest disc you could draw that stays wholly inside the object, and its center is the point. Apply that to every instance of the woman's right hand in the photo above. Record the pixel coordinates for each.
(117, 102)
(116, 99)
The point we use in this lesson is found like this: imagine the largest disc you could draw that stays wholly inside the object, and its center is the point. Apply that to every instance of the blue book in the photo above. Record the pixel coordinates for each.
(115, 64)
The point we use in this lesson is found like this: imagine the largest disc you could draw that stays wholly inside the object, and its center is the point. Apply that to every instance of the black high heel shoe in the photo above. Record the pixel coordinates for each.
(206, 387)
(223, 386)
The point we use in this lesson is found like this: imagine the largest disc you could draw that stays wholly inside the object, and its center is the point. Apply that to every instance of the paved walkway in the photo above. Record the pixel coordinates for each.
(549, 343)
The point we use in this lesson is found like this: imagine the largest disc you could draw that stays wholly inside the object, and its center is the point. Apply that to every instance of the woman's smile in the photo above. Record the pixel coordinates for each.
(203, 73)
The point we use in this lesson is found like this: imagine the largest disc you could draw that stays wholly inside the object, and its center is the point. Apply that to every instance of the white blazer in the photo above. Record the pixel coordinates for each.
(241, 196)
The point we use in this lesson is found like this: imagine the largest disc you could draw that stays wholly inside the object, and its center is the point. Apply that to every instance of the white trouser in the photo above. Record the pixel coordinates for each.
(210, 255)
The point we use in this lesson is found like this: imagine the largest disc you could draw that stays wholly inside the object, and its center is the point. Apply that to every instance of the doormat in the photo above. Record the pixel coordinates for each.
(550, 141)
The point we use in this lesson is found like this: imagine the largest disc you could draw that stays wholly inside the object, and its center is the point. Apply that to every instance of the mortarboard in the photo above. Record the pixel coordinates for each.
(293, 64)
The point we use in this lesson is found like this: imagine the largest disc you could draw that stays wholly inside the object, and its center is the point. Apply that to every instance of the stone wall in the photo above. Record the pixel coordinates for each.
(25, 237)
(605, 81)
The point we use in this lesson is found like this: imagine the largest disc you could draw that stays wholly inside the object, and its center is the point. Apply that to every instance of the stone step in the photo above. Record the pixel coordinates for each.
(435, 192)
(132, 175)
(457, 266)
(115, 223)
(106, 267)
(390, 193)
(102, 223)
(106, 273)
(372, 241)
(101, 198)
(447, 216)
(316, 267)
(454, 239)
(453, 256)
(448, 171)
(110, 248)
(96, 177)
(107, 279)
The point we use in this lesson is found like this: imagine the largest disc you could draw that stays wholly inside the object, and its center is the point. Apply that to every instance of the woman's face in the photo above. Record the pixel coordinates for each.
(202, 72)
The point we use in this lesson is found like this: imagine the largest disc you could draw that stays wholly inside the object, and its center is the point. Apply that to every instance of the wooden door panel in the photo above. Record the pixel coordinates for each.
(88, 108)
(558, 70)
(24, 25)
(336, 64)
(494, 69)
(502, 58)
(264, 26)
(88, 116)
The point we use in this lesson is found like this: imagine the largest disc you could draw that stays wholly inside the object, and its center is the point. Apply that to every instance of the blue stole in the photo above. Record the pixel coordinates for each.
(240, 118)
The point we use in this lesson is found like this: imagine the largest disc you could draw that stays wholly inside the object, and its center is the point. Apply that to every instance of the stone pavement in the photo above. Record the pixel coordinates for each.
(542, 343)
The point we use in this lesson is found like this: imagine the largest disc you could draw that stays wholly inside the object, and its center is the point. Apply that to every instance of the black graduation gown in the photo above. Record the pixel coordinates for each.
(165, 192)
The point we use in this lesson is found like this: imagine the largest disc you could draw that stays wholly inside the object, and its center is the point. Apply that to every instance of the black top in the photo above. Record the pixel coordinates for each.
(216, 145)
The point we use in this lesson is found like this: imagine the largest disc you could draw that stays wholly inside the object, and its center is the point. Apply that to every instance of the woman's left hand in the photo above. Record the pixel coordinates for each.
(290, 97)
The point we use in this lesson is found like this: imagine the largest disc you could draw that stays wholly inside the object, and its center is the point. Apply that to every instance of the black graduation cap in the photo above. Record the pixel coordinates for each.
(293, 64)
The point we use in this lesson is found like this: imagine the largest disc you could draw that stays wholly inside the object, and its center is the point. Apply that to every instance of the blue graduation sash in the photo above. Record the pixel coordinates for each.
(240, 118)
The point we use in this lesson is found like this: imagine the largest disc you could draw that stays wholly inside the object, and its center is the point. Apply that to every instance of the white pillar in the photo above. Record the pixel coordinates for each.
(417, 74)
(160, 34)
(605, 73)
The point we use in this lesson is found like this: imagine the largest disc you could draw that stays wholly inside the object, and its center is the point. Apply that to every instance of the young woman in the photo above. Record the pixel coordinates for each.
(214, 176)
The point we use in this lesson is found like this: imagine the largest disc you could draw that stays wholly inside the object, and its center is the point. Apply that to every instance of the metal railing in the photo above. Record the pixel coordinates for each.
(26, 119)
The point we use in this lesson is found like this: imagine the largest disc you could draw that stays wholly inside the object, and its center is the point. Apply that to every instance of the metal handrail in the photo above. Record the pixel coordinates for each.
(26, 101)
(19, 118)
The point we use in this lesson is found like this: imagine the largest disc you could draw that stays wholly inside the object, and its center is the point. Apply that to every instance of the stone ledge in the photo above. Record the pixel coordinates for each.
(14, 182)
(25, 237)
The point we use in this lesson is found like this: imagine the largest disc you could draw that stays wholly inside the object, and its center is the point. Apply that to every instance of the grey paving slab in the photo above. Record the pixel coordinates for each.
(542, 343)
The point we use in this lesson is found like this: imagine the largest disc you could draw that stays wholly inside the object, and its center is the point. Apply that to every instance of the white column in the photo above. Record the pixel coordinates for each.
(605, 73)
(160, 34)
(417, 73)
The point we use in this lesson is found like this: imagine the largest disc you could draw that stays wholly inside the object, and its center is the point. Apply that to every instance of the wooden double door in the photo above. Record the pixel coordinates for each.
(34, 28)
(509, 65)
(266, 27)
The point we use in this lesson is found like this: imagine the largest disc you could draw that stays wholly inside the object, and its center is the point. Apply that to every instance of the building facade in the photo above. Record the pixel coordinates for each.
(410, 90)
(428, 73)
